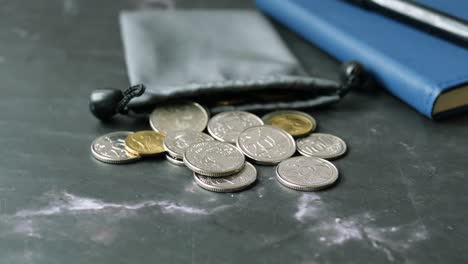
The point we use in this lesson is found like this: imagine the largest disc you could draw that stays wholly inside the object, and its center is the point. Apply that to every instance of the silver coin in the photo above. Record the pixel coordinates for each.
(233, 183)
(110, 148)
(266, 144)
(176, 161)
(227, 126)
(306, 173)
(320, 145)
(177, 142)
(214, 158)
(177, 116)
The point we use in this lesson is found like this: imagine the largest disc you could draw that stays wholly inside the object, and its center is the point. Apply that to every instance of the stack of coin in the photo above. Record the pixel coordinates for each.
(175, 143)
(219, 166)
(218, 161)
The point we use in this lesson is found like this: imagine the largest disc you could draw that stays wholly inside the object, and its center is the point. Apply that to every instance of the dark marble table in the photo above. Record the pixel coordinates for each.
(402, 196)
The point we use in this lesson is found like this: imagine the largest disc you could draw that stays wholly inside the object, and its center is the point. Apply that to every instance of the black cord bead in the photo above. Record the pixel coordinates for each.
(103, 102)
(353, 74)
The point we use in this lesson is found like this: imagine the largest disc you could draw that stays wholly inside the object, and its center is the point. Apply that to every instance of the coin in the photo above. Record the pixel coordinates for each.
(176, 161)
(110, 148)
(178, 141)
(145, 143)
(306, 173)
(227, 126)
(295, 123)
(214, 158)
(233, 183)
(320, 145)
(266, 144)
(177, 116)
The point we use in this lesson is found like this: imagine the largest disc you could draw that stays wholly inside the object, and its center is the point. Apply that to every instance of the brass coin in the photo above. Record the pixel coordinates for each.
(296, 123)
(145, 143)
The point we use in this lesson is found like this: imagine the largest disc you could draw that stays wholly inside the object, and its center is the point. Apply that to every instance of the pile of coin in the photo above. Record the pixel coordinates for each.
(220, 161)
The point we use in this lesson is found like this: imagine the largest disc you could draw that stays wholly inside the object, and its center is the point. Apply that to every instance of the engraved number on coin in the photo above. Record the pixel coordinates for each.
(306, 173)
(266, 143)
(321, 145)
(302, 172)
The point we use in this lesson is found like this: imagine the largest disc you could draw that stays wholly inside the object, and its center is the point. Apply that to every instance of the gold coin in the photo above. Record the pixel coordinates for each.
(296, 123)
(145, 143)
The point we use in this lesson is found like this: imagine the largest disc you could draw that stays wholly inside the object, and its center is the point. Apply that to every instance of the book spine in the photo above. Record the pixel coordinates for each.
(409, 86)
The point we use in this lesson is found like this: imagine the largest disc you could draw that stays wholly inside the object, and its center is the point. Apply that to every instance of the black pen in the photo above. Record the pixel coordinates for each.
(426, 18)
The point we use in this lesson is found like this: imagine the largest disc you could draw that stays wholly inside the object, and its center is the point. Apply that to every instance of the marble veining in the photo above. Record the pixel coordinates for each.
(41, 222)
(334, 230)
(307, 206)
(67, 203)
(320, 222)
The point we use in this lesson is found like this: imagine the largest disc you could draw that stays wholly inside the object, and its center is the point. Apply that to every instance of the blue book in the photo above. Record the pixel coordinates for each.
(423, 70)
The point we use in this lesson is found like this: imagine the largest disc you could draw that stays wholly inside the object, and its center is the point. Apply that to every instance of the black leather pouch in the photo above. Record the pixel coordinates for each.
(225, 59)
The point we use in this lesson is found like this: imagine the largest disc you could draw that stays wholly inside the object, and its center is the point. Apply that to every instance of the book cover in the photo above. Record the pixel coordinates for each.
(425, 71)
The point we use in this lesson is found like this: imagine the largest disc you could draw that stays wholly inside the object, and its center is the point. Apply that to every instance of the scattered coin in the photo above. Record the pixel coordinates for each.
(233, 183)
(295, 123)
(266, 144)
(110, 148)
(320, 145)
(227, 126)
(219, 166)
(145, 143)
(177, 142)
(306, 173)
(176, 161)
(177, 116)
(214, 158)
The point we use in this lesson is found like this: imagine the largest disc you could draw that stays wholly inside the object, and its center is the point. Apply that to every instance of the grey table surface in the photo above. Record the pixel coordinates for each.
(402, 196)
